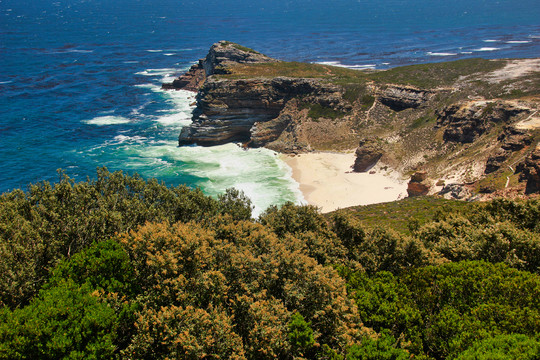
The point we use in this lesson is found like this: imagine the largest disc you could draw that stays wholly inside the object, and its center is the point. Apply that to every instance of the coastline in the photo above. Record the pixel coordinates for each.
(327, 181)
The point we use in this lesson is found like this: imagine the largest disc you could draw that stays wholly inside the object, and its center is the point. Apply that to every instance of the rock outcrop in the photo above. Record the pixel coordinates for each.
(512, 140)
(190, 81)
(529, 171)
(455, 191)
(464, 122)
(419, 185)
(369, 151)
(221, 55)
(401, 97)
(225, 53)
(233, 110)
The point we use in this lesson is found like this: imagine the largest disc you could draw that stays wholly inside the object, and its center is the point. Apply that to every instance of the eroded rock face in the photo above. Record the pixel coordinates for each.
(190, 81)
(400, 97)
(229, 110)
(530, 171)
(466, 121)
(512, 139)
(369, 151)
(419, 185)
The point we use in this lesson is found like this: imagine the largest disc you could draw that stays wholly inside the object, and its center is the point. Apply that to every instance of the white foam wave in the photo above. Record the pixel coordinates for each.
(156, 72)
(107, 120)
(440, 53)
(338, 64)
(487, 49)
(5, 82)
(79, 51)
(122, 139)
(180, 119)
(131, 62)
(466, 52)
(490, 40)
(259, 173)
(169, 54)
(518, 42)
(154, 51)
(167, 74)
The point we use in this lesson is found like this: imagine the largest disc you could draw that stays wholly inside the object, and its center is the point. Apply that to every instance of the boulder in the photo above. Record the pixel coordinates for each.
(368, 153)
(419, 185)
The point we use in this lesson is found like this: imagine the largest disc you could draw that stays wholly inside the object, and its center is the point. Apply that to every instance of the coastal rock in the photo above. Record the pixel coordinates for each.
(228, 110)
(512, 140)
(419, 185)
(224, 53)
(464, 122)
(401, 97)
(368, 153)
(221, 55)
(455, 191)
(529, 171)
(190, 81)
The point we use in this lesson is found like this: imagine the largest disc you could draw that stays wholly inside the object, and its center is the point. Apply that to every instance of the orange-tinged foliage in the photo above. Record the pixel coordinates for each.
(256, 279)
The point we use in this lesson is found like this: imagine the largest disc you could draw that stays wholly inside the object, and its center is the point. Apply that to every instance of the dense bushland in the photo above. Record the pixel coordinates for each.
(120, 267)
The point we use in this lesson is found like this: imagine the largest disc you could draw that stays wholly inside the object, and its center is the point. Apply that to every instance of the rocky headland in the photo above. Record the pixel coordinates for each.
(471, 128)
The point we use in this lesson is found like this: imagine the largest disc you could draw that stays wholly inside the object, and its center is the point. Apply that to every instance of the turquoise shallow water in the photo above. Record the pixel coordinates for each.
(79, 86)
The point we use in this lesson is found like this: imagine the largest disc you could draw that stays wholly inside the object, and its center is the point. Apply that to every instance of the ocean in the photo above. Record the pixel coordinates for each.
(80, 79)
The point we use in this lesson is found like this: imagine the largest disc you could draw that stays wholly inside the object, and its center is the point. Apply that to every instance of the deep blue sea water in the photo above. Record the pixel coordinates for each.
(80, 79)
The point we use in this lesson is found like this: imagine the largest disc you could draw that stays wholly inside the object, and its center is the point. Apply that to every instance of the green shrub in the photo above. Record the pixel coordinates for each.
(503, 347)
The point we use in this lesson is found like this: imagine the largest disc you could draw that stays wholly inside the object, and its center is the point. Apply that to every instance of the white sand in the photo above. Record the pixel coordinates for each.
(327, 181)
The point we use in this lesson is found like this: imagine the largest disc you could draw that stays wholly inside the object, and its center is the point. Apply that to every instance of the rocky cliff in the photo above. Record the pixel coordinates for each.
(464, 123)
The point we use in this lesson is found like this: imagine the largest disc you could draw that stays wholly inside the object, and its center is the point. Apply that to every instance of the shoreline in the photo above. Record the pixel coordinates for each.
(327, 181)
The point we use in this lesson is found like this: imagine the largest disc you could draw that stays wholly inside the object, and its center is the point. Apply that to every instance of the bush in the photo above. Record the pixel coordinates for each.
(50, 222)
(503, 347)
(245, 271)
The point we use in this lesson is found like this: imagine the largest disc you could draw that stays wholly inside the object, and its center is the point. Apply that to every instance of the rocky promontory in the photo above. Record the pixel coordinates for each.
(463, 122)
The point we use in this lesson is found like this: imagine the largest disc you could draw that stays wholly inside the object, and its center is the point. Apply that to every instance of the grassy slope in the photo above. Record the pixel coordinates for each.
(397, 215)
(424, 75)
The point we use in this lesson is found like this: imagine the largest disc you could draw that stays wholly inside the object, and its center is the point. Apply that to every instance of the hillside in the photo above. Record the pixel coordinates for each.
(470, 123)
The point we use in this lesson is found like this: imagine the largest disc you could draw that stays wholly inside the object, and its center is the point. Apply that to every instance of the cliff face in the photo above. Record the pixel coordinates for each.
(457, 122)
(229, 110)
(464, 122)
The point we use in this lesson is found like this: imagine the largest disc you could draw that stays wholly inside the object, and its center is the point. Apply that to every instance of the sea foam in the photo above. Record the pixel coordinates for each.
(487, 49)
(338, 64)
(107, 120)
(441, 53)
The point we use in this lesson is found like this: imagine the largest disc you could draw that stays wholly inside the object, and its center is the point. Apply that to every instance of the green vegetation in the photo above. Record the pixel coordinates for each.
(422, 75)
(317, 111)
(122, 268)
(239, 47)
(436, 74)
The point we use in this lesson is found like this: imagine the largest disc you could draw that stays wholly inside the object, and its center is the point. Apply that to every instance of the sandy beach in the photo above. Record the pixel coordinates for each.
(327, 181)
